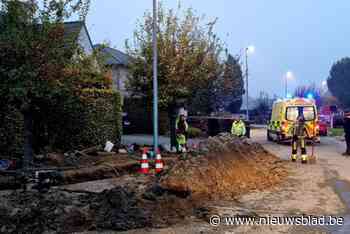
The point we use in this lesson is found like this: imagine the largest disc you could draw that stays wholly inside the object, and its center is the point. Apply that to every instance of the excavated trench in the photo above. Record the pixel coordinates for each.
(229, 168)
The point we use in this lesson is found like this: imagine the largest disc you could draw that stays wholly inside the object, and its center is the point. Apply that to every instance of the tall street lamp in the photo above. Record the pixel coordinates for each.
(155, 78)
(248, 50)
(289, 76)
(324, 85)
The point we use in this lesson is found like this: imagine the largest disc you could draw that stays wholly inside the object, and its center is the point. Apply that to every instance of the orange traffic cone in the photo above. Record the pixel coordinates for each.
(159, 163)
(144, 162)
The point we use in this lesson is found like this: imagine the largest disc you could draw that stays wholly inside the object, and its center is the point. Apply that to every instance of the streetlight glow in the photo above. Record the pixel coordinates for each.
(289, 75)
(251, 49)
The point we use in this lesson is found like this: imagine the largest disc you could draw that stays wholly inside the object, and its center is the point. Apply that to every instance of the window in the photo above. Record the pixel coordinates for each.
(293, 112)
(309, 113)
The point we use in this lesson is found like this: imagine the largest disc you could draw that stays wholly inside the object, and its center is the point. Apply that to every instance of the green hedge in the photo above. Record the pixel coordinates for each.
(92, 120)
(336, 132)
(66, 124)
(11, 132)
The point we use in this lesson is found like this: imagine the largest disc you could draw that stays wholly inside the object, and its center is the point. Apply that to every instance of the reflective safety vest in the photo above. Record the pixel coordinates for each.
(181, 139)
(238, 128)
(181, 131)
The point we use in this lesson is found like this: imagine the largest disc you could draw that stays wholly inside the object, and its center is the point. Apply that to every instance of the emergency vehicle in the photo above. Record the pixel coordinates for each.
(284, 114)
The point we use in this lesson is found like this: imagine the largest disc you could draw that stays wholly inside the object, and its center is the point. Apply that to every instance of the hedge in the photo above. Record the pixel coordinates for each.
(91, 120)
(11, 132)
(140, 115)
(67, 124)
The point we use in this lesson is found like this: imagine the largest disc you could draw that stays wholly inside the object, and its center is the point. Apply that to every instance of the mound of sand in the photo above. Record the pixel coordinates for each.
(231, 167)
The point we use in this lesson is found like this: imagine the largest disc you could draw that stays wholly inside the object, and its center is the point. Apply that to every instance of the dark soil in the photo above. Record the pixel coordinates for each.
(224, 167)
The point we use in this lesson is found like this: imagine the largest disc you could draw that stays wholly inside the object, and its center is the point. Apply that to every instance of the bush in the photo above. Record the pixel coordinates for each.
(104, 117)
(336, 132)
(92, 120)
(194, 132)
(69, 123)
(11, 132)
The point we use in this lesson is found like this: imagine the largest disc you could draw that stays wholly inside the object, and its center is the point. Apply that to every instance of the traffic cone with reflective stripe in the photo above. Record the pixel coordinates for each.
(144, 163)
(159, 163)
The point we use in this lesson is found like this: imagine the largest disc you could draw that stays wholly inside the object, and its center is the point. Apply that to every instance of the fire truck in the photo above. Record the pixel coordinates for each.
(284, 114)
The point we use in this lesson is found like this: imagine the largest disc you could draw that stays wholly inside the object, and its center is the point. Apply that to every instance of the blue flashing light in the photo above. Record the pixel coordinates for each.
(310, 96)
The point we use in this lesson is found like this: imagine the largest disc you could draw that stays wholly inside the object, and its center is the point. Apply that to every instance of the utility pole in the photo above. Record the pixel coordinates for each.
(155, 79)
(247, 85)
(288, 76)
(286, 87)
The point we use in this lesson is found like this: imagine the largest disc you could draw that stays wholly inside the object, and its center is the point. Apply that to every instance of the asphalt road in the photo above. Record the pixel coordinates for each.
(329, 148)
(329, 176)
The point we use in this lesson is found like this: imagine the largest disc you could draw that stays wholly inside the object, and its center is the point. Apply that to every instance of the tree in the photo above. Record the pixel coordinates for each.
(39, 64)
(339, 81)
(189, 56)
(232, 85)
(305, 91)
(189, 61)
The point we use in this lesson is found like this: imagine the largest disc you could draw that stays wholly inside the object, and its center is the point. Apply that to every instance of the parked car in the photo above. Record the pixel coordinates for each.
(323, 128)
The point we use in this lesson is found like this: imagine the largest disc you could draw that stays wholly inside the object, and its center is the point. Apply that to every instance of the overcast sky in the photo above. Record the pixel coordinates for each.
(304, 36)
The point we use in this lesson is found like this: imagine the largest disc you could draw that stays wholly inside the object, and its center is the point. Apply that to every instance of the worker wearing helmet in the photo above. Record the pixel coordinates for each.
(238, 128)
(181, 133)
(299, 135)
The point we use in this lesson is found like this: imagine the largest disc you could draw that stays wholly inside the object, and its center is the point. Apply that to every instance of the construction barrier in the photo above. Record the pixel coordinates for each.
(159, 163)
(145, 165)
(144, 162)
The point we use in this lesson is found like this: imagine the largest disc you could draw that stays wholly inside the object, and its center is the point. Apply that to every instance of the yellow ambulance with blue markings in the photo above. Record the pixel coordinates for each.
(284, 114)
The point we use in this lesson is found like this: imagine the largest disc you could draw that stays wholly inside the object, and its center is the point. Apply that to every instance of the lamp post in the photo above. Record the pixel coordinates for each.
(324, 86)
(155, 78)
(248, 50)
(289, 76)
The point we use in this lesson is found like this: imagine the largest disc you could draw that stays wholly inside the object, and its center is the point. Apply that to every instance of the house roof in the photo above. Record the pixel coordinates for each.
(73, 28)
(114, 56)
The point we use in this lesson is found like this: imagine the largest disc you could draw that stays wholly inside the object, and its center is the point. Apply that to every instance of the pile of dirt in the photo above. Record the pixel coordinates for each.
(230, 167)
(62, 212)
(119, 209)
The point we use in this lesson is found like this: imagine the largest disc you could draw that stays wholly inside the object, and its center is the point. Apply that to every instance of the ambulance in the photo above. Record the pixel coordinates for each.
(284, 114)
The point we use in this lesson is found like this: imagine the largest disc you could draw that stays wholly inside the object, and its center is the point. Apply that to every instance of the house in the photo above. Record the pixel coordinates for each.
(75, 30)
(78, 29)
(118, 62)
